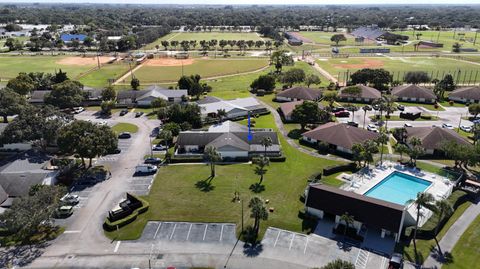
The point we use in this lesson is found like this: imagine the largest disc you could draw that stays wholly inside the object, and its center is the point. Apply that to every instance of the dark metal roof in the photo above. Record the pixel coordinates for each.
(374, 212)
(368, 32)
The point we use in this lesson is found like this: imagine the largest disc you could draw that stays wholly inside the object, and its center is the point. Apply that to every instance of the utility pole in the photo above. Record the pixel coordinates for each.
(475, 39)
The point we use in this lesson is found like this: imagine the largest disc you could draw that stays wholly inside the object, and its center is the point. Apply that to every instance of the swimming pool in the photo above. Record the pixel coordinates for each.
(398, 188)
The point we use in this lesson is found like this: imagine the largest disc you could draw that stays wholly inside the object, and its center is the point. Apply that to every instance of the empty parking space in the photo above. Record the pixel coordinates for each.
(189, 232)
(140, 185)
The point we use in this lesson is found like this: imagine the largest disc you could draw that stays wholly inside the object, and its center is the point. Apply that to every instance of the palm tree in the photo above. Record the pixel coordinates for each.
(166, 135)
(266, 142)
(221, 113)
(401, 149)
(426, 200)
(382, 140)
(444, 208)
(348, 220)
(261, 163)
(257, 212)
(415, 150)
(212, 156)
(365, 109)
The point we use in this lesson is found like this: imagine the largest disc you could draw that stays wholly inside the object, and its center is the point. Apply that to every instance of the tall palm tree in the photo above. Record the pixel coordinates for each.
(382, 140)
(444, 208)
(212, 156)
(365, 109)
(258, 212)
(261, 163)
(266, 142)
(423, 200)
(348, 220)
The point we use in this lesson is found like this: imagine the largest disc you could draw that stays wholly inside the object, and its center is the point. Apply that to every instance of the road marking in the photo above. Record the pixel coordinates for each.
(276, 240)
(151, 251)
(383, 262)
(205, 232)
(291, 241)
(117, 246)
(158, 228)
(305, 248)
(221, 233)
(189, 229)
(173, 231)
(71, 232)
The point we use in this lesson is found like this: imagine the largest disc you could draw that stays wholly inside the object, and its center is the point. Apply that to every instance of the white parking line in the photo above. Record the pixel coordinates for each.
(291, 241)
(117, 246)
(205, 232)
(221, 233)
(276, 240)
(189, 229)
(305, 248)
(173, 231)
(71, 232)
(158, 228)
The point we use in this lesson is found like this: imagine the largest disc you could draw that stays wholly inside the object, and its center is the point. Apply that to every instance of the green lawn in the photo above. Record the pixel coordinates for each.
(465, 253)
(204, 67)
(447, 38)
(10, 66)
(398, 66)
(455, 104)
(181, 192)
(204, 36)
(424, 246)
(323, 38)
(125, 127)
(99, 78)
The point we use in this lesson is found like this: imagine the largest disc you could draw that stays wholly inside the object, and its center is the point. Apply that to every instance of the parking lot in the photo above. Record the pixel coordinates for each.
(321, 246)
(123, 145)
(140, 184)
(189, 232)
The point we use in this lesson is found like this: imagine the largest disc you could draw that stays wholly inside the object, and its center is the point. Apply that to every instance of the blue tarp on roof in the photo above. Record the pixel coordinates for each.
(69, 37)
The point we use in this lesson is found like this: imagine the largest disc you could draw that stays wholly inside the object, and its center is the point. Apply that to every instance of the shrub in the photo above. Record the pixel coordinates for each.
(339, 168)
(110, 226)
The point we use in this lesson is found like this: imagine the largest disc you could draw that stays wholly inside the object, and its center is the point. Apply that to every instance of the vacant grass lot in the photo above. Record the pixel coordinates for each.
(398, 66)
(184, 193)
(10, 66)
(447, 38)
(205, 68)
(319, 37)
(125, 127)
(465, 253)
(99, 78)
(204, 36)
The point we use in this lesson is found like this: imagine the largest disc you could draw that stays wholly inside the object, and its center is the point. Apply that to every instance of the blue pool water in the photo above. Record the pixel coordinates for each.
(398, 188)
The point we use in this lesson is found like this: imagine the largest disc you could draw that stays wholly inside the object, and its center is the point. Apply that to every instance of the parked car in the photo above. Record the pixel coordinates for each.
(138, 114)
(70, 199)
(123, 112)
(153, 160)
(115, 151)
(375, 107)
(103, 122)
(78, 110)
(465, 128)
(447, 126)
(159, 147)
(352, 123)
(337, 109)
(342, 114)
(401, 107)
(64, 211)
(396, 261)
(124, 135)
(372, 128)
(407, 125)
(145, 169)
(155, 132)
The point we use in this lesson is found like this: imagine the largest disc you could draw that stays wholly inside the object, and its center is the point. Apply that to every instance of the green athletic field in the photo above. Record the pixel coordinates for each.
(448, 38)
(398, 66)
(205, 68)
(319, 37)
(99, 78)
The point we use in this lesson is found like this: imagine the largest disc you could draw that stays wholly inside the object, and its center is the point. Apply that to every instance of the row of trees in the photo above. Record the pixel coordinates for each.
(214, 43)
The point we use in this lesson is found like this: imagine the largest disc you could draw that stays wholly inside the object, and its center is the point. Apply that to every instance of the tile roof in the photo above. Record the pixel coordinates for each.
(413, 91)
(340, 134)
(301, 93)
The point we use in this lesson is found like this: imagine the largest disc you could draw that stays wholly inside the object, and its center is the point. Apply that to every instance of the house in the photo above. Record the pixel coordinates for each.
(359, 93)
(93, 97)
(23, 171)
(286, 109)
(68, 38)
(145, 97)
(433, 137)
(322, 201)
(297, 94)
(234, 109)
(466, 95)
(230, 139)
(339, 136)
(414, 93)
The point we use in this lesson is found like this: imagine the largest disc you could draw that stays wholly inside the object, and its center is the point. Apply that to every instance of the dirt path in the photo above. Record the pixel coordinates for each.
(124, 77)
(325, 73)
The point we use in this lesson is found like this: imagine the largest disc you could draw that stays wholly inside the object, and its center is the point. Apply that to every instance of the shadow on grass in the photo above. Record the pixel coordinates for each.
(257, 188)
(205, 185)
(443, 258)
(295, 133)
(309, 223)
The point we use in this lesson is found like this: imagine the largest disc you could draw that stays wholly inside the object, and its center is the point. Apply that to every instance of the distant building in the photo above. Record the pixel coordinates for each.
(414, 93)
(92, 97)
(359, 93)
(466, 95)
(235, 108)
(145, 97)
(68, 38)
(286, 109)
(297, 94)
(432, 138)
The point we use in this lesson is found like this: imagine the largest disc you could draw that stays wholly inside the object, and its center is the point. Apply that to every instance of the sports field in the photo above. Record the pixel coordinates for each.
(463, 72)
(10, 66)
(170, 70)
(319, 37)
(99, 78)
(205, 36)
(448, 38)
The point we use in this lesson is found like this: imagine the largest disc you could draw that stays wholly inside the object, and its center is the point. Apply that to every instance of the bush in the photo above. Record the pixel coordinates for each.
(111, 226)
(349, 167)
(278, 159)
(426, 116)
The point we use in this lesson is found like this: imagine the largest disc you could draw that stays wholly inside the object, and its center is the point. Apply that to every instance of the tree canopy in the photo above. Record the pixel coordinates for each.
(67, 94)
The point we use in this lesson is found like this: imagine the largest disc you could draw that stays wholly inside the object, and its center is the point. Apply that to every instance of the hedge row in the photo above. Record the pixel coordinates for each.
(339, 168)
(111, 226)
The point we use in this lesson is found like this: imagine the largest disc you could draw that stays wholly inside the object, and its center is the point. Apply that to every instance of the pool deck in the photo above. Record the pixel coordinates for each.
(366, 179)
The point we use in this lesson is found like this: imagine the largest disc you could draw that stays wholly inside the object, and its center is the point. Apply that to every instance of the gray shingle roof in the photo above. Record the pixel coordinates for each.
(413, 91)
(469, 93)
(301, 93)
(229, 139)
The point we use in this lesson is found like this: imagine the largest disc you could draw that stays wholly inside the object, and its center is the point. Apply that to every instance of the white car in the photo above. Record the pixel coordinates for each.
(407, 125)
(78, 110)
(70, 199)
(465, 128)
(103, 122)
(447, 126)
(372, 128)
